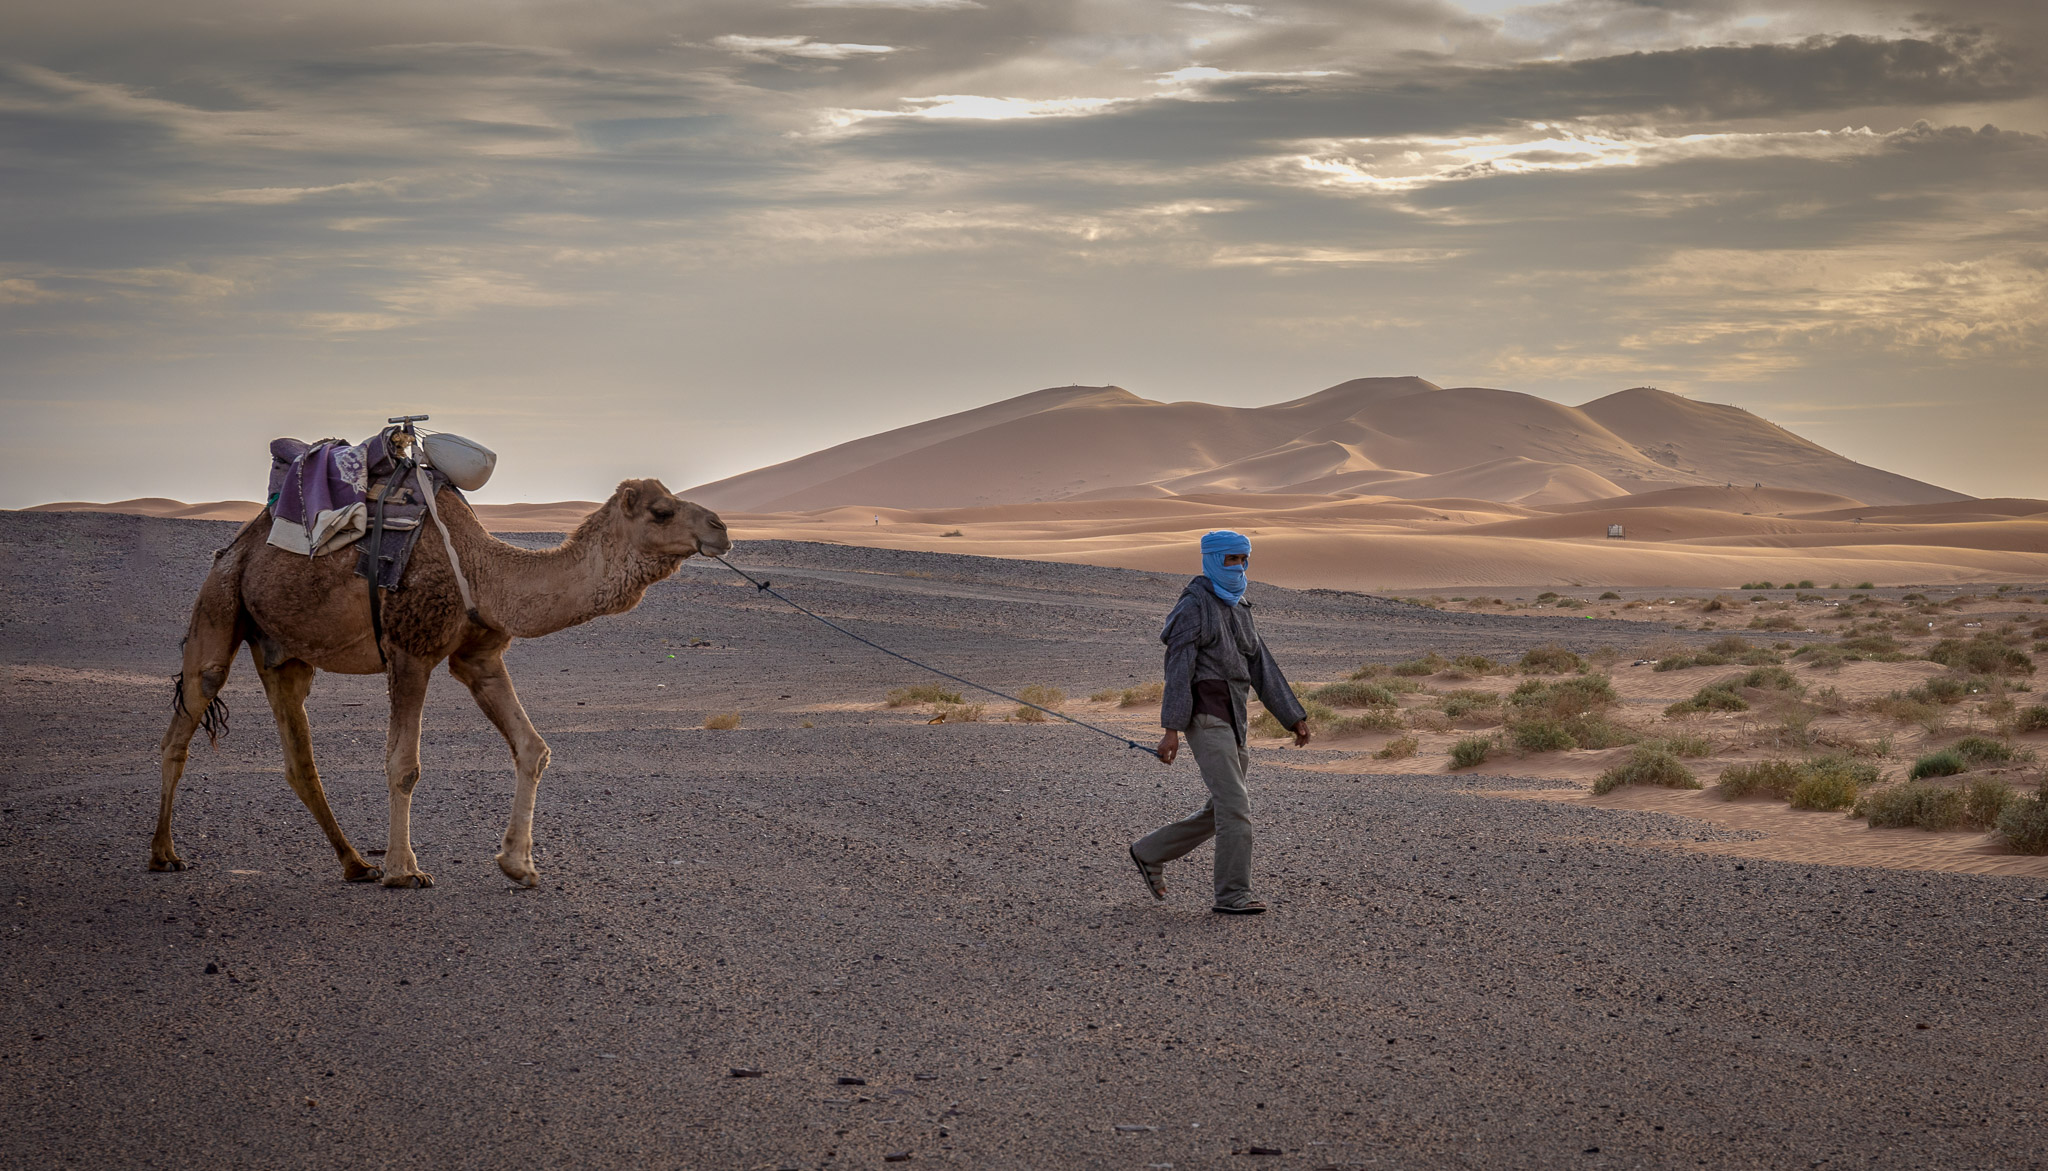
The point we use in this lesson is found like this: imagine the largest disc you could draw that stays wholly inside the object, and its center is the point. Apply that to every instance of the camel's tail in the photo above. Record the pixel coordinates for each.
(214, 720)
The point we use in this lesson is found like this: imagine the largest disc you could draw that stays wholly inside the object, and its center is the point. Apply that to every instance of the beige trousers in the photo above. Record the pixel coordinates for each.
(1225, 816)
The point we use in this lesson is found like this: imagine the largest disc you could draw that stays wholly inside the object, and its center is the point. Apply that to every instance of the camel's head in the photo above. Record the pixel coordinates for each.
(660, 523)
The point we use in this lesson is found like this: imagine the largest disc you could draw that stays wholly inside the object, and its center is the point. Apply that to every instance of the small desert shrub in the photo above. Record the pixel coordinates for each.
(1459, 705)
(1370, 671)
(1043, 696)
(1354, 693)
(1945, 763)
(952, 533)
(1984, 750)
(1550, 659)
(1771, 679)
(1142, 694)
(1105, 695)
(1685, 744)
(1733, 646)
(922, 693)
(1470, 751)
(1824, 658)
(1647, 766)
(1775, 622)
(1942, 689)
(1776, 778)
(1428, 664)
(1715, 604)
(1476, 664)
(1268, 726)
(2031, 719)
(1986, 654)
(1399, 748)
(1872, 646)
(1833, 782)
(1864, 585)
(1758, 585)
(2024, 823)
(1426, 720)
(1564, 698)
(960, 713)
(1377, 719)
(1541, 735)
(1824, 791)
(1595, 730)
(1714, 697)
(1984, 800)
(1903, 708)
(1610, 596)
(722, 721)
(1906, 806)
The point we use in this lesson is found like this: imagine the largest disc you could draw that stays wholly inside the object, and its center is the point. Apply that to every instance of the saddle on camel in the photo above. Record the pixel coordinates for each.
(334, 575)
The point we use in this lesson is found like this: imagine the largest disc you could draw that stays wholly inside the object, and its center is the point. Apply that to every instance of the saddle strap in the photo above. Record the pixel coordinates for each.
(374, 546)
(454, 560)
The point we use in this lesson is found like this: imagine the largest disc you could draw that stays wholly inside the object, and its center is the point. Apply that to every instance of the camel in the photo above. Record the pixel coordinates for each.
(300, 614)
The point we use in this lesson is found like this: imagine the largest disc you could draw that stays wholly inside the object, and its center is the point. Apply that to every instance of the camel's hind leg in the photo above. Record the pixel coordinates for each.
(211, 641)
(286, 685)
(483, 672)
(407, 680)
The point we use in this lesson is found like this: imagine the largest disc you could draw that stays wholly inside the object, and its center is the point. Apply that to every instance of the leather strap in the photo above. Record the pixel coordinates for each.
(426, 484)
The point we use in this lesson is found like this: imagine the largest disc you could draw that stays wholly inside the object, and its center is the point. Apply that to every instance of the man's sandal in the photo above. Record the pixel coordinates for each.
(1254, 907)
(1155, 877)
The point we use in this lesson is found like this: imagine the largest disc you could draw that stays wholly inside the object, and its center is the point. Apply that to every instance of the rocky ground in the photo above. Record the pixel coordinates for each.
(943, 912)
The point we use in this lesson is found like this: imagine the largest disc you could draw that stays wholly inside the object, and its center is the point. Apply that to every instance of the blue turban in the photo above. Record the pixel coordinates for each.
(1228, 582)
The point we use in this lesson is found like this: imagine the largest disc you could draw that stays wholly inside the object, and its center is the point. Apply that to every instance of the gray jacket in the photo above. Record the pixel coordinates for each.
(1206, 639)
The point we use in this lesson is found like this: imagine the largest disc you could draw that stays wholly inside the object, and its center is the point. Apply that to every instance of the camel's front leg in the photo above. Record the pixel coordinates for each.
(483, 672)
(407, 681)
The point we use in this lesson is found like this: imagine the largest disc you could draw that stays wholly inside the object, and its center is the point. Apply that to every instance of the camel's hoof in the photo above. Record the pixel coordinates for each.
(361, 872)
(171, 863)
(525, 876)
(413, 881)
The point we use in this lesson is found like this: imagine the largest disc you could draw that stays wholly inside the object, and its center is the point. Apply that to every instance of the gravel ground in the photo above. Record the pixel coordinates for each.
(944, 912)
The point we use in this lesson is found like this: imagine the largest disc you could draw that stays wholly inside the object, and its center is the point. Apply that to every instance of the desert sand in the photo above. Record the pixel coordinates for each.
(839, 889)
(1376, 484)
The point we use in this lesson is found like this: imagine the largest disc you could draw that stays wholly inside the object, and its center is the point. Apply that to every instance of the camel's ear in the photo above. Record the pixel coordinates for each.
(629, 499)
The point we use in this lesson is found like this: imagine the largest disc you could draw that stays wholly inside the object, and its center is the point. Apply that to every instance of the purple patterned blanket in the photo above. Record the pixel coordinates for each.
(319, 491)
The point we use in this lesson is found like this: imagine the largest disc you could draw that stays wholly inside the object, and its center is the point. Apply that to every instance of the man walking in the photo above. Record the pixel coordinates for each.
(1213, 655)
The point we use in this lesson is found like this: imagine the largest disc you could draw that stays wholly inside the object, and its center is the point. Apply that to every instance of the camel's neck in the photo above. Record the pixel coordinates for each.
(528, 593)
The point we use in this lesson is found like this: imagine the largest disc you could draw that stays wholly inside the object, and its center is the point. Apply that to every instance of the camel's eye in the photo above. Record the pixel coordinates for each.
(662, 513)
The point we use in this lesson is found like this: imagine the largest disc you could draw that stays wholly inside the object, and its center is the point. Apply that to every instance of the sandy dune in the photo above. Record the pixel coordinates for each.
(1387, 436)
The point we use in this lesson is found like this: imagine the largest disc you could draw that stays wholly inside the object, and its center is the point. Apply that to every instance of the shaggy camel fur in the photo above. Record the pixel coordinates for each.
(300, 613)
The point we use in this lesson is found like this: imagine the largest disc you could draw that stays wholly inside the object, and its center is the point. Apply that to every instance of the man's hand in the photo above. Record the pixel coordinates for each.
(1169, 747)
(1301, 736)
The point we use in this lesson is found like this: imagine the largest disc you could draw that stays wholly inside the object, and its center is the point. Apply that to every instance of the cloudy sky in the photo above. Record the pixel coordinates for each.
(632, 237)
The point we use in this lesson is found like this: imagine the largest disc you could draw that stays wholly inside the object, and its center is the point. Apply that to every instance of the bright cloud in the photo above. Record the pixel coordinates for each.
(769, 48)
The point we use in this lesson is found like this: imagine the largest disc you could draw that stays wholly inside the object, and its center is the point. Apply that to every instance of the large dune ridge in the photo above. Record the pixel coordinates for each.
(1368, 436)
(1373, 484)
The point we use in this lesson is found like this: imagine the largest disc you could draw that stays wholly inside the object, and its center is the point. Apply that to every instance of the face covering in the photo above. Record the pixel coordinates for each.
(1228, 581)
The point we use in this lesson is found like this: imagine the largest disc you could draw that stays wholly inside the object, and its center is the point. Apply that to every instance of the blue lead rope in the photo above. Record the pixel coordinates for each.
(763, 586)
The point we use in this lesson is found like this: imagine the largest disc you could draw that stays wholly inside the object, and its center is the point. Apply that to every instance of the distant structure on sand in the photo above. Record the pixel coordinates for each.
(1614, 533)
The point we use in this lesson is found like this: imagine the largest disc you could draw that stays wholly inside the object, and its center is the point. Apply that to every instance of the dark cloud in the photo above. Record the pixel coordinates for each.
(1696, 84)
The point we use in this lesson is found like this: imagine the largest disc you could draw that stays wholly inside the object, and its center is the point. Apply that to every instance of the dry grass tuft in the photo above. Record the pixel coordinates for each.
(922, 693)
(1142, 694)
(722, 721)
(1399, 748)
(1043, 696)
